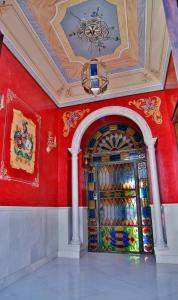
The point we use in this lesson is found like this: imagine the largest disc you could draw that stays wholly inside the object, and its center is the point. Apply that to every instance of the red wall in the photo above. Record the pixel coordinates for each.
(16, 78)
(55, 183)
(166, 150)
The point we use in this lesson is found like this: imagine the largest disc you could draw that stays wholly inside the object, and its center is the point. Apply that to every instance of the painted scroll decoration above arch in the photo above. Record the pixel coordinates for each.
(150, 106)
(70, 119)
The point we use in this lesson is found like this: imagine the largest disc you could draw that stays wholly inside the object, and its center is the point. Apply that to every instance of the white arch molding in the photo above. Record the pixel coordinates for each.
(150, 143)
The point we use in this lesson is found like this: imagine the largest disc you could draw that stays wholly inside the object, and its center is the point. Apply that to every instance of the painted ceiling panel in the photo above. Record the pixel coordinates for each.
(92, 28)
(122, 49)
(129, 36)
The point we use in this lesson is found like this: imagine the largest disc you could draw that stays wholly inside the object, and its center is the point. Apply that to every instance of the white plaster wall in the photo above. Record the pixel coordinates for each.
(28, 239)
(170, 253)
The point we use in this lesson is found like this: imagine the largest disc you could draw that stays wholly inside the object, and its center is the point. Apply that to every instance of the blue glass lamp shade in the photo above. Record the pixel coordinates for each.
(95, 83)
(94, 78)
(93, 69)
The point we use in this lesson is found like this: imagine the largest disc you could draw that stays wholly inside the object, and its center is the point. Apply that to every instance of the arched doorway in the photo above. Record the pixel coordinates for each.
(149, 140)
(119, 213)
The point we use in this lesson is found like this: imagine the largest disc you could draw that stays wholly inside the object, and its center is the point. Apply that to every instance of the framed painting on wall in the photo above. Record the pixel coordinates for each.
(21, 142)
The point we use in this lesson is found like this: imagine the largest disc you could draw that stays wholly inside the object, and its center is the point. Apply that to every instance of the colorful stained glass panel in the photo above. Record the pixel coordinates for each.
(121, 211)
(147, 239)
(114, 137)
(117, 194)
(92, 215)
(119, 239)
(92, 239)
(116, 177)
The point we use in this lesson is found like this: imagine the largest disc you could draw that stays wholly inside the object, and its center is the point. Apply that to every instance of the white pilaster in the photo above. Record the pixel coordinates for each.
(75, 209)
(159, 239)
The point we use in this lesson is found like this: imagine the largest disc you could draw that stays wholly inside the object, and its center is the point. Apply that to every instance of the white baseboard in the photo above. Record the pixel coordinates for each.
(166, 256)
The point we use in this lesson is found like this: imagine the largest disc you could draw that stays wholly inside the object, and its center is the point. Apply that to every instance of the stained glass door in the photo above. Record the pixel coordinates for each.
(119, 216)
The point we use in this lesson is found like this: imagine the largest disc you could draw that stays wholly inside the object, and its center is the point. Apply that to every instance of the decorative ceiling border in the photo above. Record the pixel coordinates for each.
(88, 99)
(36, 27)
(133, 91)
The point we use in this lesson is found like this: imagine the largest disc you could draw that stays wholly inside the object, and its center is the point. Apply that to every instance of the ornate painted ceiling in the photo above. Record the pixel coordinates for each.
(53, 39)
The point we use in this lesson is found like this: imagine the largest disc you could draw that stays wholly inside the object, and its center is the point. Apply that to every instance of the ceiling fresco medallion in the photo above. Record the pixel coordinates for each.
(91, 28)
(130, 23)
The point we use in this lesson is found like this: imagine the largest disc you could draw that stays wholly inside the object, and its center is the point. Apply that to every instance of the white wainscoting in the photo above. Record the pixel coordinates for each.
(28, 239)
(32, 236)
(65, 248)
(168, 254)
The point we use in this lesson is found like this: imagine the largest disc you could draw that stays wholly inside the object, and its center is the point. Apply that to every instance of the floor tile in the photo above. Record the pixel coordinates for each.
(98, 276)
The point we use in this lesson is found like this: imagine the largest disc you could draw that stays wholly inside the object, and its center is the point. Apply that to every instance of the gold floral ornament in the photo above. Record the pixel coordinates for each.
(150, 106)
(70, 119)
(2, 102)
(51, 142)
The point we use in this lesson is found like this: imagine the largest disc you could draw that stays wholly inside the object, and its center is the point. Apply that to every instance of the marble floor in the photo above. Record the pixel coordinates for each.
(98, 276)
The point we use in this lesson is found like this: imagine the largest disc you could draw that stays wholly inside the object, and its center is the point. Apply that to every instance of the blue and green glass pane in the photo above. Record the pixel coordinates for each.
(123, 156)
(116, 177)
(93, 69)
(97, 159)
(144, 194)
(92, 239)
(119, 239)
(92, 216)
(119, 211)
(147, 239)
(91, 185)
(116, 194)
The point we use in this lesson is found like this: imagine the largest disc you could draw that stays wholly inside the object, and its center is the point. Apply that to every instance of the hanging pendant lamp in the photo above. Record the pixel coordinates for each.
(94, 77)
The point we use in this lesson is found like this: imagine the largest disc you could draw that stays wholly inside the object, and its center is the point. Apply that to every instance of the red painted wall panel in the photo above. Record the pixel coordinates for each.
(166, 151)
(16, 78)
(55, 182)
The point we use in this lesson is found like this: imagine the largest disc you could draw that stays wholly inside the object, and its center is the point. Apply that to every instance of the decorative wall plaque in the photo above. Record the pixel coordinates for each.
(21, 142)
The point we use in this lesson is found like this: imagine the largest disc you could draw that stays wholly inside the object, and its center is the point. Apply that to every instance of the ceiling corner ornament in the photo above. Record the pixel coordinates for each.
(70, 119)
(150, 106)
(94, 77)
